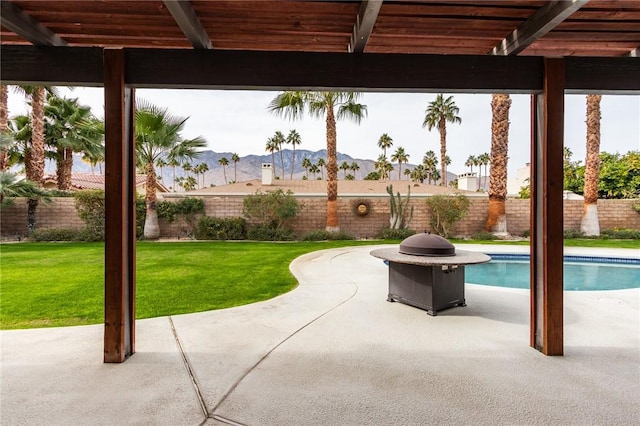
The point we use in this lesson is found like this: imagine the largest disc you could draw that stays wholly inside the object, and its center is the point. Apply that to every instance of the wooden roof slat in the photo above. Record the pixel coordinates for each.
(188, 21)
(540, 23)
(365, 20)
(14, 19)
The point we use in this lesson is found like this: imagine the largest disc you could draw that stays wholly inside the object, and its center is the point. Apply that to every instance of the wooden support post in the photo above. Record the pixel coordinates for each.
(120, 220)
(547, 238)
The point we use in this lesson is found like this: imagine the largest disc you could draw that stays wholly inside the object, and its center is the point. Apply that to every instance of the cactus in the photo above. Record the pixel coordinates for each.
(398, 209)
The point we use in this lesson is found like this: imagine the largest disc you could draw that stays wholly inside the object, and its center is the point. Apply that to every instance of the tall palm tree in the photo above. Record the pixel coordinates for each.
(306, 164)
(224, 162)
(430, 163)
(173, 163)
(161, 164)
(279, 139)
(497, 218)
(294, 139)
(354, 168)
(471, 161)
(235, 158)
(438, 113)
(323, 104)
(71, 128)
(321, 165)
(384, 166)
(419, 173)
(344, 166)
(203, 168)
(157, 135)
(482, 160)
(385, 142)
(272, 147)
(4, 125)
(589, 224)
(400, 156)
(314, 169)
(407, 173)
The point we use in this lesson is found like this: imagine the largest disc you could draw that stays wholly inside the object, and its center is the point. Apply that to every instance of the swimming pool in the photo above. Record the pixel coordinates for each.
(582, 273)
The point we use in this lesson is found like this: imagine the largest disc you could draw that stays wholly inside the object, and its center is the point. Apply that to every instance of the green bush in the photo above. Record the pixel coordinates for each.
(446, 211)
(527, 233)
(323, 235)
(270, 214)
(141, 215)
(484, 236)
(266, 232)
(620, 234)
(186, 207)
(90, 207)
(220, 228)
(636, 207)
(64, 234)
(572, 233)
(395, 234)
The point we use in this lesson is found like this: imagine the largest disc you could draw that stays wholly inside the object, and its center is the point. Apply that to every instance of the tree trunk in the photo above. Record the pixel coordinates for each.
(589, 225)
(64, 167)
(4, 125)
(36, 159)
(442, 128)
(32, 205)
(497, 218)
(293, 160)
(151, 226)
(333, 224)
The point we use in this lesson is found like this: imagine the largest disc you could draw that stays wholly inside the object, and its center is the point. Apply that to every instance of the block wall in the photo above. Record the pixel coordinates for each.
(61, 213)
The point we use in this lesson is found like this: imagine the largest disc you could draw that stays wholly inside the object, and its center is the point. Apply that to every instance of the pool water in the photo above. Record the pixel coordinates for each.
(577, 275)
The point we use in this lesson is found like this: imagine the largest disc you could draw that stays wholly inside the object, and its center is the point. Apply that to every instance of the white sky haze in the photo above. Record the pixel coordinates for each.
(238, 121)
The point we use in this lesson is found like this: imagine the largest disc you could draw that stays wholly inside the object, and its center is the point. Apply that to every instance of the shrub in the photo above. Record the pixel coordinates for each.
(266, 232)
(620, 234)
(271, 214)
(572, 233)
(186, 207)
(220, 228)
(141, 215)
(323, 235)
(446, 211)
(64, 234)
(90, 207)
(636, 207)
(484, 236)
(527, 233)
(395, 234)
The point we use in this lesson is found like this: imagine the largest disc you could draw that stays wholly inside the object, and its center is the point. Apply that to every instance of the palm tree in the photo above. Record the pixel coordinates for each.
(407, 173)
(419, 173)
(294, 139)
(354, 168)
(187, 167)
(384, 166)
(314, 169)
(471, 161)
(400, 156)
(278, 140)
(272, 147)
(70, 128)
(497, 218)
(385, 142)
(321, 165)
(484, 159)
(430, 163)
(11, 187)
(323, 104)
(4, 125)
(203, 168)
(158, 135)
(173, 163)
(235, 158)
(344, 166)
(589, 224)
(160, 163)
(438, 113)
(224, 163)
(306, 164)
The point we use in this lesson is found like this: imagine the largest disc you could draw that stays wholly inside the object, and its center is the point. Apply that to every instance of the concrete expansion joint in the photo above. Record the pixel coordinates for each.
(189, 369)
(226, 420)
(273, 349)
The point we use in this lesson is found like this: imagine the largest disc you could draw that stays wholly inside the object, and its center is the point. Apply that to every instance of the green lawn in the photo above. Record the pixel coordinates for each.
(61, 284)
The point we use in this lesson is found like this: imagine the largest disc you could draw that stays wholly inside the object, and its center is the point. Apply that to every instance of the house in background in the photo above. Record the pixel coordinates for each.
(81, 181)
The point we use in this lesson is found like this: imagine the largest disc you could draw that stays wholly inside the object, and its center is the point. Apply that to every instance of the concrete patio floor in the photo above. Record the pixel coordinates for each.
(335, 352)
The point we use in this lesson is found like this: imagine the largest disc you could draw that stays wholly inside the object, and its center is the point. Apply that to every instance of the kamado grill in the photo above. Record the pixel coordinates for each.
(427, 272)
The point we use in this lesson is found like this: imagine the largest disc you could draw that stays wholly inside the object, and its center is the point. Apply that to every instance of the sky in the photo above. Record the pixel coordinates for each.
(238, 121)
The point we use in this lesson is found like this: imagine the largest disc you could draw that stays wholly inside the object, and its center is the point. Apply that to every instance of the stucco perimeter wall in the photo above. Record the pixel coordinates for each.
(61, 213)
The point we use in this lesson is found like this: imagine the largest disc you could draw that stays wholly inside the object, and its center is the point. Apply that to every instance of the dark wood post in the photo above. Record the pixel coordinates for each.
(120, 220)
(547, 239)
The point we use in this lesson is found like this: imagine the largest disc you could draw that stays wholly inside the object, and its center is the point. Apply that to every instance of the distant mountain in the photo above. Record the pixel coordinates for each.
(249, 167)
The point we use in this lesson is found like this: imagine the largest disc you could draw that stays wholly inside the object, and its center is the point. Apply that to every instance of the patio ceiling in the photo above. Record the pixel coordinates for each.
(531, 28)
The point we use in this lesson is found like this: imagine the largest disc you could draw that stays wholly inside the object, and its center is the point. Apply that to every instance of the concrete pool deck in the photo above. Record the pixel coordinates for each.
(334, 351)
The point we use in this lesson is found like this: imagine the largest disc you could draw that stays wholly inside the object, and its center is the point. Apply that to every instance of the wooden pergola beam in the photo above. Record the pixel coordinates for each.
(547, 239)
(188, 21)
(120, 212)
(27, 27)
(366, 19)
(540, 23)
